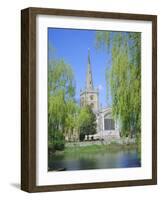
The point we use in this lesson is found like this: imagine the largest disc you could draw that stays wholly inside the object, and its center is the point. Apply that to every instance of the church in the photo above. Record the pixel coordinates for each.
(107, 127)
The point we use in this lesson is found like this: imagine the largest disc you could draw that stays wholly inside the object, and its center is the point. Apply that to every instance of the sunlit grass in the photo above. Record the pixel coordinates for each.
(97, 148)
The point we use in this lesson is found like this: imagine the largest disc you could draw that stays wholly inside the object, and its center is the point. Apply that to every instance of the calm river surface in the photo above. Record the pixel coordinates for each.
(109, 159)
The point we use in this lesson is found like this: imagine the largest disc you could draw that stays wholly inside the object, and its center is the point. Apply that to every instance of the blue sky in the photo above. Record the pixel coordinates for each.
(72, 45)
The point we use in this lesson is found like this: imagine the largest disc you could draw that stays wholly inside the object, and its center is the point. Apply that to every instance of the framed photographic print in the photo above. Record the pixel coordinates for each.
(89, 99)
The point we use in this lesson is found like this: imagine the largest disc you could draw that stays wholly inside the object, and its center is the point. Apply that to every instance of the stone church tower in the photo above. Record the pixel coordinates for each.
(90, 95)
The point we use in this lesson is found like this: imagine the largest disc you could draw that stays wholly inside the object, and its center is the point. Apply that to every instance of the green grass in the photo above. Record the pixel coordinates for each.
(95, 148)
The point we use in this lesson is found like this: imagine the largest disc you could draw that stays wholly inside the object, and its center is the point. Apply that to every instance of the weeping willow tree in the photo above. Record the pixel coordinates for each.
(124, 78)
(61, 104)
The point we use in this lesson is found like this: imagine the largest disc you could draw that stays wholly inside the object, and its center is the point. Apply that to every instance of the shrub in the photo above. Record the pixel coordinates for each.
(58, 141)
(81, 136)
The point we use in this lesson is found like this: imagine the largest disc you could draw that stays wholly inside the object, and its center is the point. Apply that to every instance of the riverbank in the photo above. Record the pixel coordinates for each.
(117, 141)
(95, 148)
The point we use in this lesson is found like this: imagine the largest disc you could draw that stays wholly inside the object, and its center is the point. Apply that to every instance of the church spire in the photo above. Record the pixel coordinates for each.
(89, 81)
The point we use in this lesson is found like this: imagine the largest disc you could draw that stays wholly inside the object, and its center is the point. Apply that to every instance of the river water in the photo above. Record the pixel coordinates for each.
(123, 158)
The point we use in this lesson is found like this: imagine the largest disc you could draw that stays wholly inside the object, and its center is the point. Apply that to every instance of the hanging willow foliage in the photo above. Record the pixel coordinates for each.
(124, 78)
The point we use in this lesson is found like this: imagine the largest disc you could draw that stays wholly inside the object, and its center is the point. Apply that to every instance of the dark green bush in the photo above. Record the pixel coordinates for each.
(81, 136)
(58, 141)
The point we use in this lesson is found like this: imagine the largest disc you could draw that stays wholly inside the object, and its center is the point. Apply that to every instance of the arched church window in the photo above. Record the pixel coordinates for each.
(91, 97)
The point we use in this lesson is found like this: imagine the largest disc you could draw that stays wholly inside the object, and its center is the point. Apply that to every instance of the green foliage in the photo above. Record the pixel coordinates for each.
(61, 105)
(87, 122)
(124, 78)
(71, 121)
(58, 141)
(103, 39)
(61, 79)
(107, 75)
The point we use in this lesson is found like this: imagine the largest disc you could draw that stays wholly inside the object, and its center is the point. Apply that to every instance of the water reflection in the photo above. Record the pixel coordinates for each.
(117, 159)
